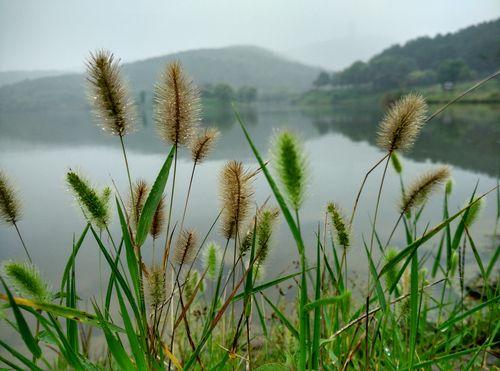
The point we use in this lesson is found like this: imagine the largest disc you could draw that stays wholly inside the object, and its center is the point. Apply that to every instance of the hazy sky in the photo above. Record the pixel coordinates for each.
(57, 34)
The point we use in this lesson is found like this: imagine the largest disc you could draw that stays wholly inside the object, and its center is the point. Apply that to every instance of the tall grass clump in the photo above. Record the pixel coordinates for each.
(191, 308)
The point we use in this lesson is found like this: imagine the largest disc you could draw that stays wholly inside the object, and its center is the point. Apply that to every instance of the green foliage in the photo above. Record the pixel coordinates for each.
(453, 70)
(425, 61)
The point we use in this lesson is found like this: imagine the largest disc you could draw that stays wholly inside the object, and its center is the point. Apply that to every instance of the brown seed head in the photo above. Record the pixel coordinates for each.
(402, 123)
(158, 220)
(108, 94)
(203, 144)
(236, 196)
(422, 187)
(140, 192)
(177, 106)
(185, 248)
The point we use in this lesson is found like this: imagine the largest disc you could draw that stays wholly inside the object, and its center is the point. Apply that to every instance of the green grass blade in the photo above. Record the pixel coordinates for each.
(153, 200)
(317, 310)
(131, 334)
(327, 301)
(118, 275)
(418, 242)
(376, 280)
(22, 325)
(268, 284)
(282, 317)
(20, 357)
(10, 364)
(132, 263)
(73, 256)
(414, 303)
(114, 345)
(467, 313)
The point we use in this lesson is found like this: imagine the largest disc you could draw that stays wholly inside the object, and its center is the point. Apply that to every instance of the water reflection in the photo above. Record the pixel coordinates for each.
(37, 148)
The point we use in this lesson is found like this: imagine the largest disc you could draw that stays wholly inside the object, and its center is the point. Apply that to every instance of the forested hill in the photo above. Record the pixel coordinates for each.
(469, 53)
(237, 66)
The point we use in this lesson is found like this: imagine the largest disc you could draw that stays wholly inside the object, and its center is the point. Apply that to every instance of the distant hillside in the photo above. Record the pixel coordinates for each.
(464, 55)
(236, 66)
(12, 77)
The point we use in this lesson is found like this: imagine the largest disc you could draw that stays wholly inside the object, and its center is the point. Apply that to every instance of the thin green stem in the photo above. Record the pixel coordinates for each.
(22, 241)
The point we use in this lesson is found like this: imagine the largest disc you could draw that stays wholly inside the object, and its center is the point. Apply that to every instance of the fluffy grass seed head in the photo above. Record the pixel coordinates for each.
(177, 110)
(235, 192)
(266, 221)
(203, 144)
(212, 258)
(95, 206)
(26, 280)
(10, 204)
(474, 211)
(396, 163)
(402, 123)
(140, 190)
(418, 192)
(185, 247)
(339, 224)
(158, 222)
(108, 94)
(290, 165)
(156, 286)
(392, 274)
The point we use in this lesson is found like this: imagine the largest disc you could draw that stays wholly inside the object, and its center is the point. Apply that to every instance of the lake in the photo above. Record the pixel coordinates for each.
(37, 148)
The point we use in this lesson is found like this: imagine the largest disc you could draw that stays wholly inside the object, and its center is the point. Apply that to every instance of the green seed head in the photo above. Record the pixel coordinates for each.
(212, 258)
(95, 205)
(10, 205)
(191, 281)
(266, 221)
(474, 211)
(396, 163)
(156, 286)
(449, 186)
(339, 224)
(291, 167)
(454, 263)
(392, 274)
(26, 280)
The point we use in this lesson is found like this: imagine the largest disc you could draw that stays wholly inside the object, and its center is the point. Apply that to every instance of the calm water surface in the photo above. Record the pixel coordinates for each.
(37, 148)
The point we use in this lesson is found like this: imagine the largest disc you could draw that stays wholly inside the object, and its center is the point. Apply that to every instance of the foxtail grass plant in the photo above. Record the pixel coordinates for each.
(110, 99)
(420, 309)
(10, 207)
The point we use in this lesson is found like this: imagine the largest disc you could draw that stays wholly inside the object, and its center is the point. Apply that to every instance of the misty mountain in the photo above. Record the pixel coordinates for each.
(236, 66)
(12, 77)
